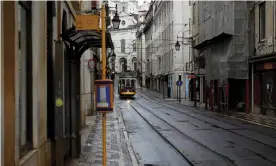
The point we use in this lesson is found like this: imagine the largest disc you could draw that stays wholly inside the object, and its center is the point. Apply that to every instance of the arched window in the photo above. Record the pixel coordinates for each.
(123, 64)
(123, 22)
(123, 43)
(134, 47)
(134, 62)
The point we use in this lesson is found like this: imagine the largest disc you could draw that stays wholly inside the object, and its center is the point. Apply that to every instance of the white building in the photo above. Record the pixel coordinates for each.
(124, 39)
(141, 54)
(169, 20)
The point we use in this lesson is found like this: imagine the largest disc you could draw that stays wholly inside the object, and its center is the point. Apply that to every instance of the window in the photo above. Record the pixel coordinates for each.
(194, 13)
(132, 83)
(171, 56)
(190, 26)
(159, 63)
(135, 66)
(262, 20)
(123, 22)
(168, 59)
(134, 47)
(127, 82)
(24, 82)
(124, 8)
(123, 43)
(172, 5)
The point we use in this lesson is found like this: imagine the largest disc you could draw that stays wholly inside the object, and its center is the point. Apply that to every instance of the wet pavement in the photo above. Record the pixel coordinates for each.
(173, 134)
(149, 147)
(119, 151)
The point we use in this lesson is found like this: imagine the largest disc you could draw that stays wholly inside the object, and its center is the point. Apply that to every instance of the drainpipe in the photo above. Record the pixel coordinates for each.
(252, 88)
(218, 96)
(247, 96)
(273, 36)
(227, 94)
(212, 95)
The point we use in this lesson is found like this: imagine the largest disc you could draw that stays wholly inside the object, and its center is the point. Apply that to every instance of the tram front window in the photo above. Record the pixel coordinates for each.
(123, 84)
(133, 83)
(127, 83)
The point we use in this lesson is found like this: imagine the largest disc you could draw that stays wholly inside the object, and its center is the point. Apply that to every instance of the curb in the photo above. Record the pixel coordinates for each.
(129, 145)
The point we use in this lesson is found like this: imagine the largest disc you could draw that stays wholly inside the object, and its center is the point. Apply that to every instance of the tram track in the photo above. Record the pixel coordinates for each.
(164, 138)
(223, 158)
(158, 103)
(211, 123)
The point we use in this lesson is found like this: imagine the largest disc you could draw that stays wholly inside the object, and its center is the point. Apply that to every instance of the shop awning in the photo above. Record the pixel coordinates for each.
(83, 40)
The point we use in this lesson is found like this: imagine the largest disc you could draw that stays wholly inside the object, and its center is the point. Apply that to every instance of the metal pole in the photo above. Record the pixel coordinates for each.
(141, 53)
(177, 93)
(179, 78)
(163, 83)
(103, 43)
(103, 14)
(247, 95)
(252, 88)
(194, 91)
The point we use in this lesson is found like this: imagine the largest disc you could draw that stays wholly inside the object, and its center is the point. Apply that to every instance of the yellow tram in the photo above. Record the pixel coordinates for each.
(127, 86)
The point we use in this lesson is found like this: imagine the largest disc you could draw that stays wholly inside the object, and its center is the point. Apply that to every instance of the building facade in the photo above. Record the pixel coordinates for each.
(262, 57)
(41, 73)
(124, 38)
(124, 41)
(141, 54)
(25, 80)
(222, 48)
(167, 23)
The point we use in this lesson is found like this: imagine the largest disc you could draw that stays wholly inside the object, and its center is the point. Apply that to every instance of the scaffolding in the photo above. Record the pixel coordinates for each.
(223, 39)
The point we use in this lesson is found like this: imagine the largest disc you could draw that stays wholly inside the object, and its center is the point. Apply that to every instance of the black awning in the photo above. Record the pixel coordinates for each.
(83, 40)
(262, 58)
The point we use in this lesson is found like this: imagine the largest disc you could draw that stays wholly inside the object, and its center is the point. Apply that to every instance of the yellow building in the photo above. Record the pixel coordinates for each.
(35, 126)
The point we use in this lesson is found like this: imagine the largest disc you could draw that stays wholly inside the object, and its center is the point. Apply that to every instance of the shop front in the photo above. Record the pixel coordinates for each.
(264, 88)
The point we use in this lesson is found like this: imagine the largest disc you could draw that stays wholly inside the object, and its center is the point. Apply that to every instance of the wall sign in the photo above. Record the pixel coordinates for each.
(268, 66)
(87, 22)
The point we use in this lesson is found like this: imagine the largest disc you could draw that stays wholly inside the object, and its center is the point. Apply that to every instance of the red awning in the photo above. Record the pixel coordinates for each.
(191, 76)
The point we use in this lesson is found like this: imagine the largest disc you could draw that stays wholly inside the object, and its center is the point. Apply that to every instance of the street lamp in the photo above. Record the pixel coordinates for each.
(116, 20)
(177, 46)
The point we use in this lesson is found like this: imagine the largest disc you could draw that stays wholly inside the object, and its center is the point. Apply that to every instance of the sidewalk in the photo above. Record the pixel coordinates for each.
(251, 118)
(119, 151)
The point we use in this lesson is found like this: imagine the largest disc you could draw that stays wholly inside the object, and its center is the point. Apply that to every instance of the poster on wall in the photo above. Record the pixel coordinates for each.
(103, 97)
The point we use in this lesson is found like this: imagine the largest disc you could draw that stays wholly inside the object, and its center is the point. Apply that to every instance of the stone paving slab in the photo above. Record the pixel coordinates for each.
(119, 152)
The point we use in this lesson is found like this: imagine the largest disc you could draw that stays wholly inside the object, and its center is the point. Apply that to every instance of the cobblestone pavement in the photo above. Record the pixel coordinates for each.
(119, 151)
